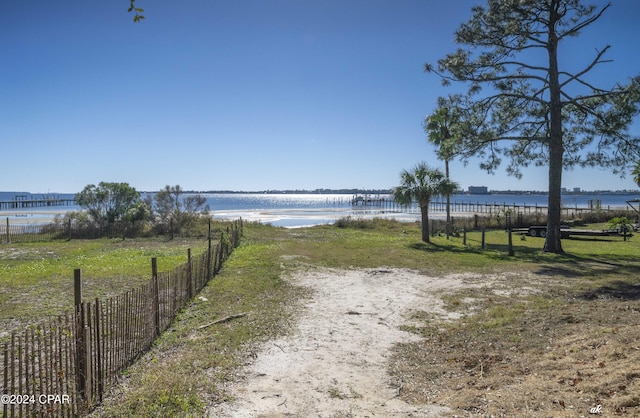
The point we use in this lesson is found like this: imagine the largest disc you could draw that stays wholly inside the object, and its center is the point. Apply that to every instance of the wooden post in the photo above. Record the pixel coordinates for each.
(221, 250)
(156, 297)
(483, 238)
(7, 230)
(510, 244)
(209, 235)
(5, 406)
(77, 287)
(189, 275)
(464, 235)
(81, 354)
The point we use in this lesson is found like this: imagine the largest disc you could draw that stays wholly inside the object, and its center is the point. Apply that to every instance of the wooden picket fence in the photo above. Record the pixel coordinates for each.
(62, 367)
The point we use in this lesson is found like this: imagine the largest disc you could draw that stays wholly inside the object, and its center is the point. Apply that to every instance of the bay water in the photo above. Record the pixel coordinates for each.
(306, 209)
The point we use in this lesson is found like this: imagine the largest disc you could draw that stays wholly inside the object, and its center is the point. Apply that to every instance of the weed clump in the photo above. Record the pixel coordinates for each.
(361, 223)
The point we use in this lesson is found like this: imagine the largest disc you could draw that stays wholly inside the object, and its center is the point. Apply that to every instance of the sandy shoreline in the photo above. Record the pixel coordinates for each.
(293, 218)
(290, 218)
(30, 217)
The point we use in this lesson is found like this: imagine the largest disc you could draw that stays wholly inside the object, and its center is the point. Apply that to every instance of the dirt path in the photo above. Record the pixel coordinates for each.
(335, 363)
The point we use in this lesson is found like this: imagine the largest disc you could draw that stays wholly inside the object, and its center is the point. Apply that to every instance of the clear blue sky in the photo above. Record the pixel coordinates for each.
(244, 94)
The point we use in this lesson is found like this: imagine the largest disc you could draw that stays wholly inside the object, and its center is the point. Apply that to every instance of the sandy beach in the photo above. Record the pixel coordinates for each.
(297, 218)
(289, 218)
(31, 216)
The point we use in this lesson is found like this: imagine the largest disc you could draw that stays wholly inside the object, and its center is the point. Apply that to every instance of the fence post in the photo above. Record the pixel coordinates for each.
(69, 229)
(189, 275)
(520, 219)
(464, 235)
(156, 298)
(220, 251)
(483, 230)
(7, 230)
(81, 354)
(217, 255)
(5, 406)
(99, 355)
(510, 244)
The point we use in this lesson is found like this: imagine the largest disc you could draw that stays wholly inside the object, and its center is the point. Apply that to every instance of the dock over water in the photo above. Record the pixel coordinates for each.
(25, 201)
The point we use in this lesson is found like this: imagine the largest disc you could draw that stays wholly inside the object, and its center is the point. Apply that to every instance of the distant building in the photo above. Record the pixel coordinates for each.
(478, 190)
(576, 190)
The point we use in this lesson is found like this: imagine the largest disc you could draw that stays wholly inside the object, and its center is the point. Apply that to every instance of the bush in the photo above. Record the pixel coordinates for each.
(360, 223)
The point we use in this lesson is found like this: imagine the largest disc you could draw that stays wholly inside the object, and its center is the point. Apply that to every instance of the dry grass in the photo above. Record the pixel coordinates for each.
(559, 354)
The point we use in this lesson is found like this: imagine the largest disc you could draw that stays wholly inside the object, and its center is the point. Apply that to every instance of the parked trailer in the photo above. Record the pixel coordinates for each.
(541, 231)
(566, 232)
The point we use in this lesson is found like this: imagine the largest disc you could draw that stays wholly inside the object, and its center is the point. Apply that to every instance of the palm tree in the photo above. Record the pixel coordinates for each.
(421, 184)
(636, 174)
(438, 127)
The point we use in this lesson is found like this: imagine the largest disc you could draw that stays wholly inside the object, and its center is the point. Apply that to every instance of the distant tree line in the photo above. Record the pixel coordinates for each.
(170, 210)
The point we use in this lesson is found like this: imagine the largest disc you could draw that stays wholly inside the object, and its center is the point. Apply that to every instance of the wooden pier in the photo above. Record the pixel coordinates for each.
(24, 201)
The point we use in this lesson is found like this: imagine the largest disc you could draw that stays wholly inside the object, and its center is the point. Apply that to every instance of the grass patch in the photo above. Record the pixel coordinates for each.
(556, 336)
(36, 279)
(558, 344)
(556, 357)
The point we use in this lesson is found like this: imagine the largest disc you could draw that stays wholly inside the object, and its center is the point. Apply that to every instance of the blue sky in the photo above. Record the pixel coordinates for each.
(245, 94)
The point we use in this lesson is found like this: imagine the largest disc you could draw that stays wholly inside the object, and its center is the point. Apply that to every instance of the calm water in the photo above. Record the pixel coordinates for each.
(296, 210)
(251, 201)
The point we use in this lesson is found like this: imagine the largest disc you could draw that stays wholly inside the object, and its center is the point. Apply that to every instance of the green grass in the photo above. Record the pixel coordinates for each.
(36, 279)
(189, 364)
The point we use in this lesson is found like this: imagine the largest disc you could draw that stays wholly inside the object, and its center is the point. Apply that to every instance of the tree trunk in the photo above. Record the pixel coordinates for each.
(446, 170)
(552, 242)
(424, 211)
(556, 148)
